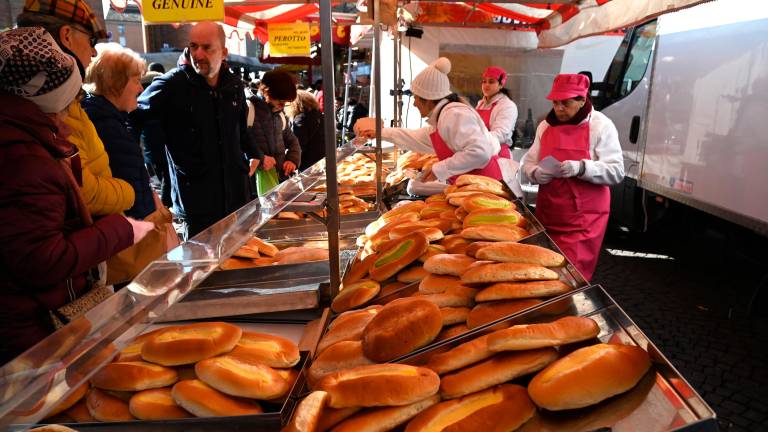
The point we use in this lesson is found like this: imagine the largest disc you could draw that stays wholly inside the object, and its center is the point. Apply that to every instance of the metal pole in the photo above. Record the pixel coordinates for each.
(346, 94)
(396, 122)
(377, 93)
(329, 121)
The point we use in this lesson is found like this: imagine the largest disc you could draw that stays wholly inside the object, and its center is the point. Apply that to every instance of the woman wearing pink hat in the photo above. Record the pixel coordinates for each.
(496, 108)
(575, 156)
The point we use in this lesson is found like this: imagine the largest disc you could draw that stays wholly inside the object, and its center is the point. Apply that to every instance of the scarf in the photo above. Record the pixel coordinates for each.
(576, 119)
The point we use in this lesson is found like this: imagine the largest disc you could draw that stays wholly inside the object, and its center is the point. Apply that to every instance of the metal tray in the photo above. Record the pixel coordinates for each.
(662, 401)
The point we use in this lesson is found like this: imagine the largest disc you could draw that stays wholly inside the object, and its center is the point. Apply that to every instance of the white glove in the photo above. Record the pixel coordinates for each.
(570, 168)
(542, 177)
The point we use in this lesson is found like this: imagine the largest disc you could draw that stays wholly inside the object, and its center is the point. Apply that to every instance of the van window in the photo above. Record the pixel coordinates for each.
(628, 65)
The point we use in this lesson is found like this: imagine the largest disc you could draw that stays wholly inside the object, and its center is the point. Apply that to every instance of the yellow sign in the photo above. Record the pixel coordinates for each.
(289, 39)
(171, 11)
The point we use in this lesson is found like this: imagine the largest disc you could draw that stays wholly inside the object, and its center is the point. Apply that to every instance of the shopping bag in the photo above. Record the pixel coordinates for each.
(266, 180)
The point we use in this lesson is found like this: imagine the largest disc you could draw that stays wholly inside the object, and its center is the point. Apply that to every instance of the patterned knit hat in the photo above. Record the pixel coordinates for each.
(69, 11)
(33, 66)
(432, 83)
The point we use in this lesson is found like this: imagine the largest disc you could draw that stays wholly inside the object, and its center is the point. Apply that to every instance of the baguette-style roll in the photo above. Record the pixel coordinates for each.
(400, 327)
(132, 352)
(498, 369)
(522, 290)
(491, 216)
(529, 336)
(339, 356)
(435, 284)
(306, 418)
(263, 247)
(432, 210)
(486, 312)
(191, 343)
(480, 180)
(379, 385)
(273, 351)
(494, 233)
(347, 326)
(482, 200)
(330, 417)
(476, 246)
(448, 264)
(433, 249)
(397, 255)
(499, 409)
(379, 223)
(412, 274)
(462, 355)
(237, 263)
(454, 315)
(355, 294)
(156, 404)
(432, 233)
(359, 269)
(454, 244)
(300, 254)
(203, 400)
(521, 253)
(133, 376)
(506, 272)
(448, 299)
(384, 419)
(413, 206)
(237, 376)
(105, 407)
(588, 376)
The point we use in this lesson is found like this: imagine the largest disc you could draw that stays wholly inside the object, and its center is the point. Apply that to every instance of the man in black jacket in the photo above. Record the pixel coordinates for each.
(197, 115)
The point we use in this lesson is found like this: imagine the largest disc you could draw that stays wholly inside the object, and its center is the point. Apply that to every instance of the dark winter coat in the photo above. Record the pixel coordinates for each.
(125, 157)
(308, 128)
(204, 133)
(43, 239)
(271, 133)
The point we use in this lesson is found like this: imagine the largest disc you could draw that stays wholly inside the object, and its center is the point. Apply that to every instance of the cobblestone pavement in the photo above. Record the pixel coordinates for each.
(692, 291)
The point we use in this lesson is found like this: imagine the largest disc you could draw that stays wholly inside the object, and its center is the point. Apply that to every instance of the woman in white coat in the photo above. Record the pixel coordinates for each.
(496, 108)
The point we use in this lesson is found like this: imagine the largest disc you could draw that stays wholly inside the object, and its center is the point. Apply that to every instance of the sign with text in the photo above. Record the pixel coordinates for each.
(172, 11)
(289, 39)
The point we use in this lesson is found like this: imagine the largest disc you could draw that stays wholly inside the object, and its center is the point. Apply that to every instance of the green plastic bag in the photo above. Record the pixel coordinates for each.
(266, 180)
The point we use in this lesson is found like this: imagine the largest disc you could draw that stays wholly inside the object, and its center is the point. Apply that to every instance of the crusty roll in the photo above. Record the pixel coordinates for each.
(588, 376)
(432, 233)
(475, 179)
(448, 264)
(379, 223)
(521, 253)
(300, 254)
(339, 356)
(435, 284)
(307, 415)
(242, 377)
(500, 409)
(203, 400)
(529, 336)
(191, 343)
(481, 200)
(263, 247)
(132, 352)
(454, 315)
(506, 272)
(379, 385)
(133, 376)
(355, 294)
(498, 369)
(237, 263)
(462, 355)
(330, 417)
(433, 209)
(522, 290)
(494, 233)
(486, 312)
(397, 255)
(454, 244)
(156, 404)
(412, 274)
(347, 326)
(273, 351)
(413, 206)
(401, 327)
(384, 419)
(69, 401)
(359, 269)
(106, 408)
(449, 299)
(476, 246)
(432, 249)
(491, 216)
(451, 331)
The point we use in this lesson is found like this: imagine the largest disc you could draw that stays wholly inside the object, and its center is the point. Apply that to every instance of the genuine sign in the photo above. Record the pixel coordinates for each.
(289, 39)
(183, 10)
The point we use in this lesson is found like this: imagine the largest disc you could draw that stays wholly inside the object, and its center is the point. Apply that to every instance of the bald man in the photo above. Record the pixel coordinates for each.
(196, 115)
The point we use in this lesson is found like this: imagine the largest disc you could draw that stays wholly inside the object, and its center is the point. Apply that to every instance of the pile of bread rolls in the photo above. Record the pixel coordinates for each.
(410, 161)
(358, 172)
(205, 369)
(258, 253)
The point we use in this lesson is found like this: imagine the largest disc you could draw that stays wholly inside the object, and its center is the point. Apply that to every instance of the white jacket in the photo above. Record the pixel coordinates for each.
(462, 130)
(607, 164)
(503, 117)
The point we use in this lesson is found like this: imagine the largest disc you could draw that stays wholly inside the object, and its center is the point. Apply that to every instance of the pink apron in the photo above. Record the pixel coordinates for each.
(485, 114)
(442, 151)
(574, 212)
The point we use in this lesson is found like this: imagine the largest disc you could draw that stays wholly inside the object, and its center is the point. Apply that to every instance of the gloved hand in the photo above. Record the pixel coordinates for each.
(365, 127)
(570, 168)
(541, 177)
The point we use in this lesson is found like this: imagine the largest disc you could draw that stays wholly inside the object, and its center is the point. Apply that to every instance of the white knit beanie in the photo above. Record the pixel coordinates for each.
(432, 83)
(33, 66)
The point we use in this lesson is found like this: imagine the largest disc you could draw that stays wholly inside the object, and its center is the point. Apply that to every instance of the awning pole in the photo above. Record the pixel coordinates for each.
(377, 93)
(347, 83)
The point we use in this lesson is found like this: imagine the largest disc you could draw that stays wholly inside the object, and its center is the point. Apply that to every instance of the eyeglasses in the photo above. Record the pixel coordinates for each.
(92, 39)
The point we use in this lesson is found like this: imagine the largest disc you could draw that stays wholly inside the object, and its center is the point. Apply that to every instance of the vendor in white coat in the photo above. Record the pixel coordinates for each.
(496, 108)
(574, 201)
(455, 132)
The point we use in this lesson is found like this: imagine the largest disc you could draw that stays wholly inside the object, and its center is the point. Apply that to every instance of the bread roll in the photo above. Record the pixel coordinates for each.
(79, 412)
(521, 253)
(330, 417)
(378, 224)
(454, 244)
(448, 299)
(295, 255)
(398, 255)
(432, 233)
(106, 408)
(506, 272)
(347, 326)
(500, 409)
(412, 274)
(433, 209)
(432, 249)
(462, 355)
(132, 352)
(436, 198)
(491, 216)
(273, 351)
(263, 247)
(522, 290)
(156, 404)
(413, 206)
(307, 415)
(237, 376)
(448, 264)
(385, 419)
(237, 263)
(496, 370)
(494, 233)
(454, 315)
(133, 376)
(339, 356)
(487, 312)
(528, 336)
(67, 403)
(191, 343)
(379, 385)
(460, 213)
(476, 246)
(355, 294)
(474, 179)
(203, 400)
(52, 428)
(264, 261)
(401, 327)
(588, 376)
(359, 269)
(481, 200)
(435, 284)
(247, 252)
